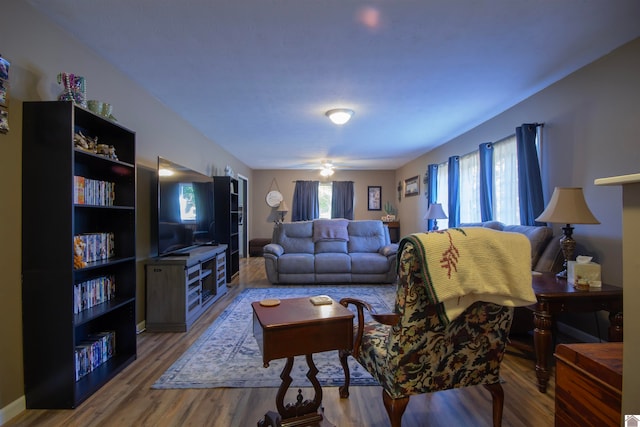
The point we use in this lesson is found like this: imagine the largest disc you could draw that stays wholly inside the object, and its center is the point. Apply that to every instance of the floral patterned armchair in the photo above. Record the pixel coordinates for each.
(415, 351)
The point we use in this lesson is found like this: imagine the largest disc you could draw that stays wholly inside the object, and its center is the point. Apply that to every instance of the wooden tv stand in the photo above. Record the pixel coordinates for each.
(181, 287)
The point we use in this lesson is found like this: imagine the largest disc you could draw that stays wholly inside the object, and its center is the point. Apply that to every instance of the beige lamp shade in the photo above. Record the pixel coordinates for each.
(435, 212)
(567, 206)
(283, 208)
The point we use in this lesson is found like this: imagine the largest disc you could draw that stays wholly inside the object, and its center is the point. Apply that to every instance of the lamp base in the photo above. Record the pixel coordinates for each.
(568, 246)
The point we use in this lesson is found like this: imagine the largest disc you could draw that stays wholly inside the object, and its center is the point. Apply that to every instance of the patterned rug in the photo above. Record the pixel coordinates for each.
(227, 354)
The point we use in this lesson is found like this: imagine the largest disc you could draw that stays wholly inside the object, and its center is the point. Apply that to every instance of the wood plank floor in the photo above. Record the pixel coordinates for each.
(128, 399)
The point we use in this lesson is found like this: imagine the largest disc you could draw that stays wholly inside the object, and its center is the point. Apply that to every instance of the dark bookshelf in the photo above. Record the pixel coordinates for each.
(50, 220)
(228, 220)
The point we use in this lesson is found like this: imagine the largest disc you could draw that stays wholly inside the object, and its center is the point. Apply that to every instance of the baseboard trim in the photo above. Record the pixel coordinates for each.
(141, 327)
(576, 333)
(12, 409)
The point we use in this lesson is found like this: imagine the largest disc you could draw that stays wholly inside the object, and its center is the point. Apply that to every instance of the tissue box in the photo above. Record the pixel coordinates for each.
(583, 273)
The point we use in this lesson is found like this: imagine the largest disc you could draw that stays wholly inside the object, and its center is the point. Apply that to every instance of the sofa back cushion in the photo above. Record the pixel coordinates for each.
(331, 246)
(295, 237)
(330, 229)
(539, 236)
(366, 236)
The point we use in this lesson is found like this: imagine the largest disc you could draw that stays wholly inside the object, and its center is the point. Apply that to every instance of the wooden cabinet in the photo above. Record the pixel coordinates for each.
(181, 287)
(394, 231)
(588, 384)
(228, 220)
(78, 319)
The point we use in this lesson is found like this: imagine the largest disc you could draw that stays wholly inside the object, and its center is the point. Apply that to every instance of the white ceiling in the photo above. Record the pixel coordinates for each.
(256, 76)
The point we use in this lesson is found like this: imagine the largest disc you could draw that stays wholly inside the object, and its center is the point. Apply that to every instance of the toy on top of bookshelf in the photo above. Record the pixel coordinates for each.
(90, 145)
(78, 253)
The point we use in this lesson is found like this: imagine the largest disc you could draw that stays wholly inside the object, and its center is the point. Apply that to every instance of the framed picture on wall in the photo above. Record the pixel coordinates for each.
(374, 198)
(411, 186)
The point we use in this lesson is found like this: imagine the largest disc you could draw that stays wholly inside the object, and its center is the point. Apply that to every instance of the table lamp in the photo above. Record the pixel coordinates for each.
(282, 212)
(567, 206)
(435, 213)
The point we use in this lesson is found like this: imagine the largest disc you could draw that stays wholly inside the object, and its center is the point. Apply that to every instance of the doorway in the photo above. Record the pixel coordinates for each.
(243, 220)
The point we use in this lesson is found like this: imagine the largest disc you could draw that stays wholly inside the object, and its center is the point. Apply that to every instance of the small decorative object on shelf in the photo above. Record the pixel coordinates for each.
(102, 108)
(4, 95)
(75, 88)
(390, 211)
(90, 145)
(78, 253)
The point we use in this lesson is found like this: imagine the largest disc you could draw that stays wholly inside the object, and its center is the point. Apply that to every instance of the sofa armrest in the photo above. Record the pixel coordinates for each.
(389, 250)
(273, 249)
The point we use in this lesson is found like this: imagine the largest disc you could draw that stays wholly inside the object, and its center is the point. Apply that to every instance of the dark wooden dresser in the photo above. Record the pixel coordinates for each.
(588, 384)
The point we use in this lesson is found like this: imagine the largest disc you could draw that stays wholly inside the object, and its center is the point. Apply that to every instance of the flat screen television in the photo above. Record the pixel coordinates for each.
(186, 216)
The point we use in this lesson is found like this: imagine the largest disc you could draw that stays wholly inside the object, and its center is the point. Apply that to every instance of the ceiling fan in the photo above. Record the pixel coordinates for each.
(327, 169)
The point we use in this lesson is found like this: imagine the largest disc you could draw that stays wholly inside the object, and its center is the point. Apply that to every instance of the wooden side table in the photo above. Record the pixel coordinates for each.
(557, 296)
(394, 231)
(297, 327)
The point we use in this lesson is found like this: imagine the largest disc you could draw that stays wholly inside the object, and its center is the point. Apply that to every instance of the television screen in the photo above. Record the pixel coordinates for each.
(185, 208)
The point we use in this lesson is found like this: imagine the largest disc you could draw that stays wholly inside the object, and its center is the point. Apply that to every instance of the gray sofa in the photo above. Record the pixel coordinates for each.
(331, 251)
(546, 255)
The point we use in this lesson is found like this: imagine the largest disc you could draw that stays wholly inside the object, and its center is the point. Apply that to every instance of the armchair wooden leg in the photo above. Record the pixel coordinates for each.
(497, 393)
(395, 408)
(344, 390)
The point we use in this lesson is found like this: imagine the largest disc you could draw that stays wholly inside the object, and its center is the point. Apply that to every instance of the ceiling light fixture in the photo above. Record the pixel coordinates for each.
(327, 169)
(340, 116)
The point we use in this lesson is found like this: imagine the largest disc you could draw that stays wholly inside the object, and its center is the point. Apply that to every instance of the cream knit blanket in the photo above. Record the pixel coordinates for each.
(463, 265)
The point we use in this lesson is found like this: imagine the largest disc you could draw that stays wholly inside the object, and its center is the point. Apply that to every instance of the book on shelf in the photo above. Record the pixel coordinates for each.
(92, 292)
(97, 349)
(97, 246)
(93, 192)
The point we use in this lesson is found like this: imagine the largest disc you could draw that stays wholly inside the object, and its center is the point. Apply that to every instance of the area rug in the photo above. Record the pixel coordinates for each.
(227, 354)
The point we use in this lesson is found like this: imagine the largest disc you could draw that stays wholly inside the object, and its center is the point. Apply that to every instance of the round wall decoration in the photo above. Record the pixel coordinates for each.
(274, 197)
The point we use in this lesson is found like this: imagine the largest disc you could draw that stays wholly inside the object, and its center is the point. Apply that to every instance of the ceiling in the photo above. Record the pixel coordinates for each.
(256, 76)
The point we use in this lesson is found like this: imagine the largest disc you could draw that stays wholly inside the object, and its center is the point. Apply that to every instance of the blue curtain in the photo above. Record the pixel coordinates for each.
(454, 191)
(486, 181)
(432, 173)
(305, 201)
(529, 180)
(342, 199)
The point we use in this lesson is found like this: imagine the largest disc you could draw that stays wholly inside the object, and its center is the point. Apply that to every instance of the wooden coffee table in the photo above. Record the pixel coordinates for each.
(296, 327)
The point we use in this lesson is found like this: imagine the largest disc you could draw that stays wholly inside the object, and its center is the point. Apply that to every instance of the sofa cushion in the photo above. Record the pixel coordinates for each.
(494, 225)
(538, 237)
(326, 246)
(297, 237)
(366, 236)
(552, 259)
(330, 229)
(332, 263)
(369, 263)
(298, 263)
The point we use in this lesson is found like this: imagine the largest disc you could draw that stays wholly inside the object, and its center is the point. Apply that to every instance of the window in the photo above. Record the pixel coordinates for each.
(506, 206)
(505, 181)
(325, 190)
(470, 188)
(443, 189)
(187, 206)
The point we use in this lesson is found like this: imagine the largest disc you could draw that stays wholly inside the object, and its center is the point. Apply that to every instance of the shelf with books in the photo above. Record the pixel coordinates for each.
(228, 220)
(56, 310)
